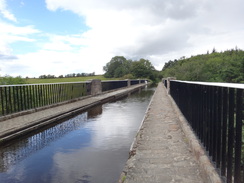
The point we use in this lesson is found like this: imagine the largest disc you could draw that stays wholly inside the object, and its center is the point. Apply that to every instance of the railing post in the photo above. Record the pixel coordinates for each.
(128, 82)
(164, 81)
(96, 87)
(168, 83)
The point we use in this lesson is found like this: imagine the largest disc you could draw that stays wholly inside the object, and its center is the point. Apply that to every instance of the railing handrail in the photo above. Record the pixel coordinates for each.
(45, 84)
(124, 80)
(88, 81)
(227, 85)
(104, 81)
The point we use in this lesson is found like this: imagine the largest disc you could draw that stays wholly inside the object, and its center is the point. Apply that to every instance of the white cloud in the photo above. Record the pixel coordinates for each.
(11, 34)
(10, 64)
(54, 62)
(17, 30)
(158, 30)
(57, 43)
(5, 12)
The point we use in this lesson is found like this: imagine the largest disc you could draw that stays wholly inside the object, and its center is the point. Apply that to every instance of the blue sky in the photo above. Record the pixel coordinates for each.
(73, 36)
(50, 22)
(29, 12)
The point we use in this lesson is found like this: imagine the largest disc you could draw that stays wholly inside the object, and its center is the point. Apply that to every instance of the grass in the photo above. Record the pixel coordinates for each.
(60, 80)
(123, 178)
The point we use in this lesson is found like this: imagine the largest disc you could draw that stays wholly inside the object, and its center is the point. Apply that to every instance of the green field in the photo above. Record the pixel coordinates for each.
(61, 80)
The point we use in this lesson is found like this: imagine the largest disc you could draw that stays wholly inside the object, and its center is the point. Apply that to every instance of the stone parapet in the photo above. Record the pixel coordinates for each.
(96, 87)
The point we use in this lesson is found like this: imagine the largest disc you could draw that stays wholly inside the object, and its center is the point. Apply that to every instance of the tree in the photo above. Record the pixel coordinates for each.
(169, 64)
(227, 66)
(143, 69)
(117, 67)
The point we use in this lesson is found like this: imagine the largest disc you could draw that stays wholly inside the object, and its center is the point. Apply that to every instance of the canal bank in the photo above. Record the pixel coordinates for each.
(20, 125)
(161, 151)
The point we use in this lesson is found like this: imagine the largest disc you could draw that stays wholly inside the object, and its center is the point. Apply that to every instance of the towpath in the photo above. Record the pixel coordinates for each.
(160, 152)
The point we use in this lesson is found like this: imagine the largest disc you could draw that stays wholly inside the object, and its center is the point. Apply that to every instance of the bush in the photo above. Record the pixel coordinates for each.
(9, 80)
(128, 76)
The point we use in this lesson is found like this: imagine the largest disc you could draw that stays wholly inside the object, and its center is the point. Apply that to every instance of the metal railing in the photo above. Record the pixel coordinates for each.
(16, 98)
(215, 113)
(134, 82)
(112, 85)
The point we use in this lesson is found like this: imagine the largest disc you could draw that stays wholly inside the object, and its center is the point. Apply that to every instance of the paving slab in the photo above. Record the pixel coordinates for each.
(160, 152)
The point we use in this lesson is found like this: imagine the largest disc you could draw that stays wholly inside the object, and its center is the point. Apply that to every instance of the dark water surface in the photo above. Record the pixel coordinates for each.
(89, 148)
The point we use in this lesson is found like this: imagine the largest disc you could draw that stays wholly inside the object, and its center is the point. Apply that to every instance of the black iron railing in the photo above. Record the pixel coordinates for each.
(134, 82)
(16, 98)
(112, 85)
(215, 112)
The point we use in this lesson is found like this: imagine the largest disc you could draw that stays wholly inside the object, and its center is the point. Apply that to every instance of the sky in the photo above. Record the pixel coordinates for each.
(60, 37)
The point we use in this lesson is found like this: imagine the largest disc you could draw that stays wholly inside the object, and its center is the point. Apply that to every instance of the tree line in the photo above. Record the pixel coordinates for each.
(227, 66)
(10, 80)
(120, 67)
(49, 76)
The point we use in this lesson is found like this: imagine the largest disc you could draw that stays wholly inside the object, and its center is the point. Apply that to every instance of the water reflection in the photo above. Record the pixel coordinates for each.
(91, 147)
(95, 111)
(21, 149)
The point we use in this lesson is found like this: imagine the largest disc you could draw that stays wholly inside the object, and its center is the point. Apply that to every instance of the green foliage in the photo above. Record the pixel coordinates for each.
(143, 69)
(123, 178)
(119, 67)
(226, 66)
(9, 80)
(128, 76)
(49, 76)
(169, 64)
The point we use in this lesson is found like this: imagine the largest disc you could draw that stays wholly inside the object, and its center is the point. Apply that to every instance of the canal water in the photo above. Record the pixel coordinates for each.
(91, 147)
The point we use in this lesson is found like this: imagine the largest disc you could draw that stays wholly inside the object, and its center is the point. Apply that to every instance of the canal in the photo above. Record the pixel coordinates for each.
(91, 147)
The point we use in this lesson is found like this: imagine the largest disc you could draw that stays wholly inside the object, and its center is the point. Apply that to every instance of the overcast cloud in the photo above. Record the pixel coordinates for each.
(158, 30)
